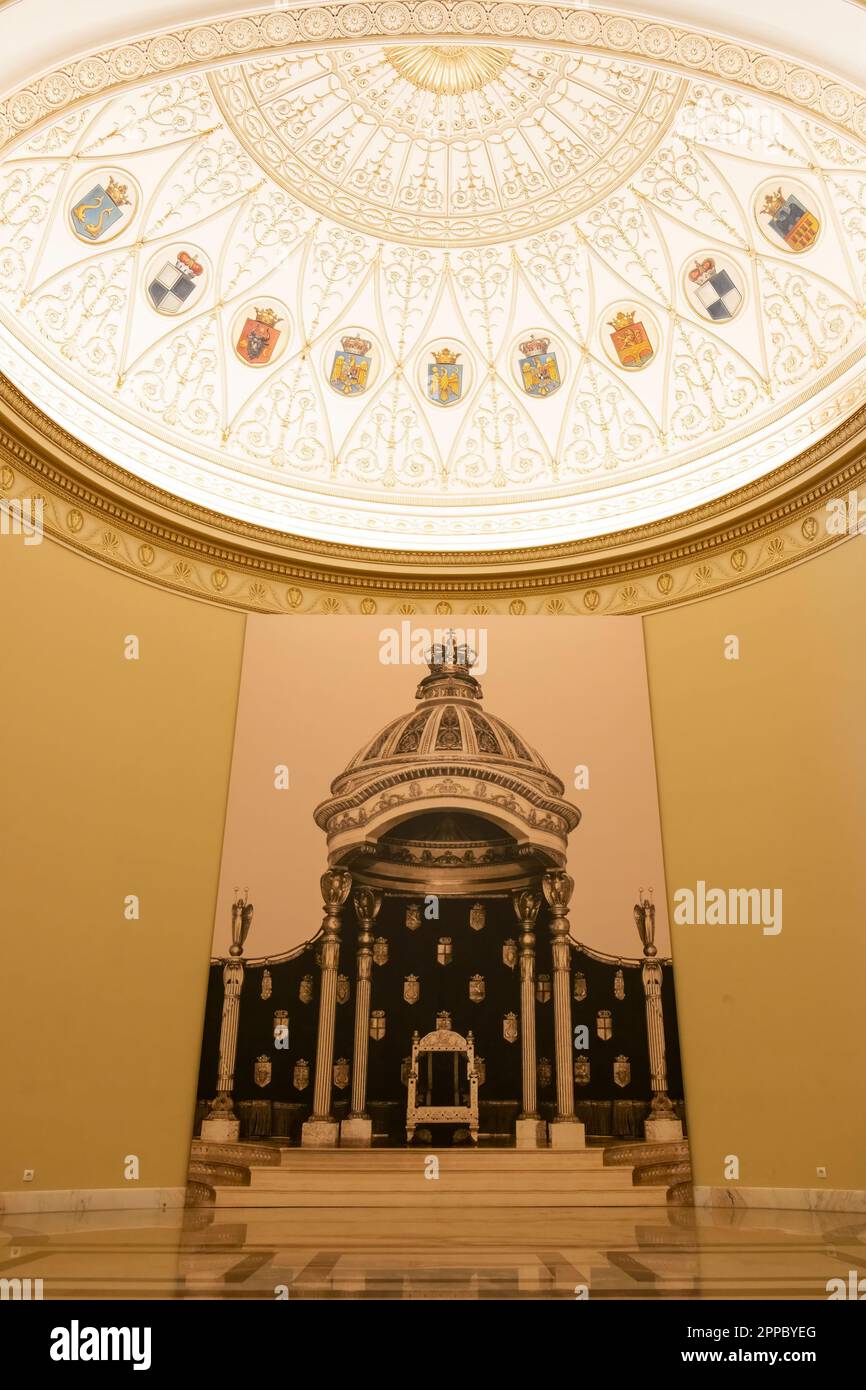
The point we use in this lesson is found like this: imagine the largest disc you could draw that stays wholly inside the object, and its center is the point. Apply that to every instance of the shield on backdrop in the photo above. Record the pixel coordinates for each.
(619, 985)
(341, 1073)
(622, 1071)
(545, 1073)
(343, 989)
(262, 1070)
(444, 950)
(301, 1074)
(604, 1025)
(579, 986)
(380, 950)
(477, 916)
(477, 989)
(305, 990)
(267, 984)
(377, 1025)
(509, 1028)
(411, 989)
(509, 953)
(542, 989)
(413, 916)
(581, 1071)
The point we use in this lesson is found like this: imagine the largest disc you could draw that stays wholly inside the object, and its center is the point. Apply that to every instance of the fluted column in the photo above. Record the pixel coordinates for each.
(566, 1131)
(321, 1130)
(530, 1131)
(222, 1124)
(357, 1130)
(662, 1124)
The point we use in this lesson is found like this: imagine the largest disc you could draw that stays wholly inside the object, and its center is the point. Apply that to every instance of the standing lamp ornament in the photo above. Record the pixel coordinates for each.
(566, 1131)
(222, 1124)
(356, 1131)
(321, 1130)
(531, 1131)
(662, 1125)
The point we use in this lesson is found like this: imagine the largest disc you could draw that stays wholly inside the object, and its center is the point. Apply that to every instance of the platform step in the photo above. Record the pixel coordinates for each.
(433, 1195)
(548, 1161)
(457, 1180)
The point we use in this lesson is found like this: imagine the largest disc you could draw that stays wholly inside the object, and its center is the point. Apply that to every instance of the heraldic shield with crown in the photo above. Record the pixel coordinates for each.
(445, 377)
(539, 368)
(350, 369)
(100, 210)
(259, 337)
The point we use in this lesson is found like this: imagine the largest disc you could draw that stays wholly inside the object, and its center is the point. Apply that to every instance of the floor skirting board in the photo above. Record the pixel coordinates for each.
(93, 1199)
(783, 1198)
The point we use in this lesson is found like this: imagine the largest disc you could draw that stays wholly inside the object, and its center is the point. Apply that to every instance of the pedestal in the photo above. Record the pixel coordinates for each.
(531, 1134)
(320, 1134)
(356, 1133)
(220, 1131)
(567, 1134)
(661, 1131)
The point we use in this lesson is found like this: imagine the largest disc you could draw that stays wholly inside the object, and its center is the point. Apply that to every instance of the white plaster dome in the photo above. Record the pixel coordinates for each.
(444, 296)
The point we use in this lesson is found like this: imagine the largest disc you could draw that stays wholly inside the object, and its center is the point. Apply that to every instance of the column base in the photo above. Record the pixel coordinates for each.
(320, 1134)
(220, 1131)
(356, 1132)
(663, 1131)
(531, 1133)
(567, 1134)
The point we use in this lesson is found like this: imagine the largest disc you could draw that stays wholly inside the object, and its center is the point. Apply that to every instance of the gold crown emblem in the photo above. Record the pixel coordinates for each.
(359, 346)
(534, 345)
(267, 316)
(445, 357)
(702, 271)
(117, 192)
(773, 202)
(622, 320)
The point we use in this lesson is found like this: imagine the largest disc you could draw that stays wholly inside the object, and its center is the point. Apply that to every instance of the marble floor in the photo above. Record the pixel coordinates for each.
(529, 1253)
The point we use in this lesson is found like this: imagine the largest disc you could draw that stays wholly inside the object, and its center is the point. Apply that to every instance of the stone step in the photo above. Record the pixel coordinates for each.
(407, 1160)
(429, 1195)
(321, 1179)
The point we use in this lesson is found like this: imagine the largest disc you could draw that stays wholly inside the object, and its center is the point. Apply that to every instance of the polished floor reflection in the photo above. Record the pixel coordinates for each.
(529, 1253)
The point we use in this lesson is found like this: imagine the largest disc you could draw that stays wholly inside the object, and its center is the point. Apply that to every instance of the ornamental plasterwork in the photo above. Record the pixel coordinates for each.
(177, 399)
(544, 136)
(170, 394)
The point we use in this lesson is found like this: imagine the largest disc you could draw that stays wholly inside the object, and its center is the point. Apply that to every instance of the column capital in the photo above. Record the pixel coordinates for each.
(527, 903)
(558, 887)
(336, 885)
(367, 902)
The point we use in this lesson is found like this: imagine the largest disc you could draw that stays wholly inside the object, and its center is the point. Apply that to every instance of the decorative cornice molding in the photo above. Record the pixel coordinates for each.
(106, 514)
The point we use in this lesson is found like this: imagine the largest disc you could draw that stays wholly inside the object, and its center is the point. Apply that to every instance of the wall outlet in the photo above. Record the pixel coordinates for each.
(822, 1172)
(28, 1174)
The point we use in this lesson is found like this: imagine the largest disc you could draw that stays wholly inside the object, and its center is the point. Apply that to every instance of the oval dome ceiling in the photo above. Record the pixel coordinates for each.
(463, 296)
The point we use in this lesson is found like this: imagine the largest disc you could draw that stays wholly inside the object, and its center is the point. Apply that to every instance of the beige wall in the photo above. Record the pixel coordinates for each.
(762, 781)
(116, 776)
(114, 782)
